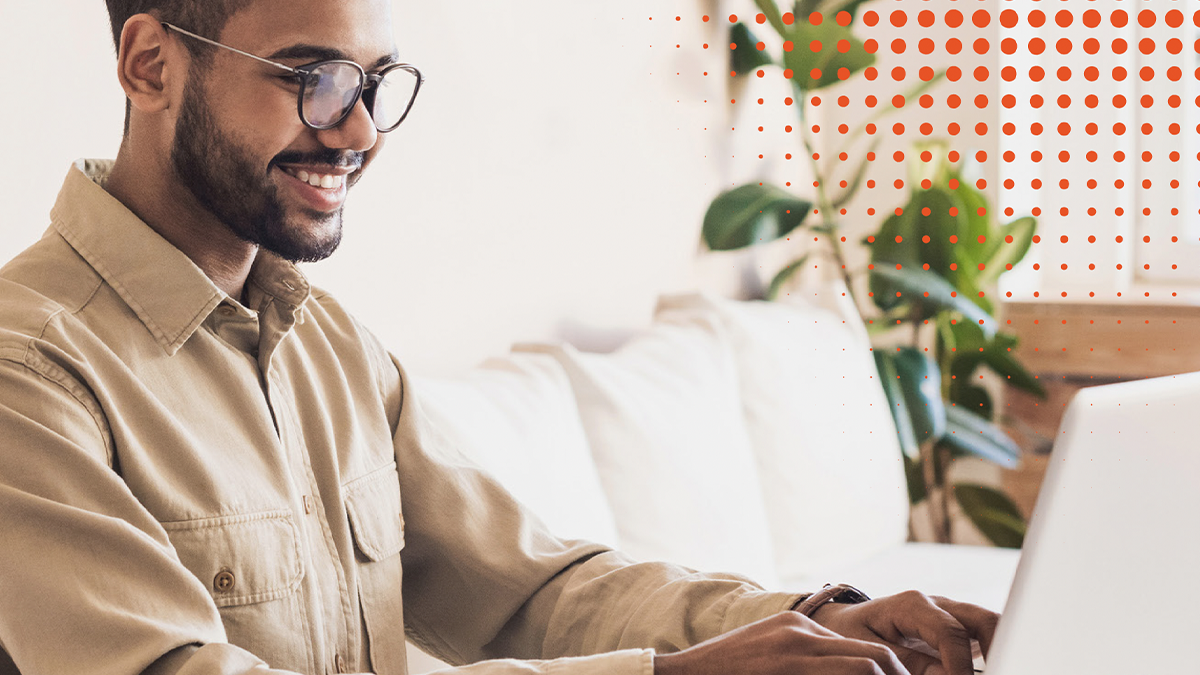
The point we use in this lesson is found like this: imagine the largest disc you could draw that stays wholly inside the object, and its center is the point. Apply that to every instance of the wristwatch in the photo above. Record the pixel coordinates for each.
(842, 594)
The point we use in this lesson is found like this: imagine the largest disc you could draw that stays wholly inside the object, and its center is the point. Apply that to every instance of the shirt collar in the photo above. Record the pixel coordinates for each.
(166, 290)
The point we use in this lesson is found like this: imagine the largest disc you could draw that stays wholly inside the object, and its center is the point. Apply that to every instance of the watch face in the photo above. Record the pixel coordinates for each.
(849, 595)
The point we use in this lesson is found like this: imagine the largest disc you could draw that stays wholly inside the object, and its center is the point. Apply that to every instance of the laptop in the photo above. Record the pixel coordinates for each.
(1109, 579)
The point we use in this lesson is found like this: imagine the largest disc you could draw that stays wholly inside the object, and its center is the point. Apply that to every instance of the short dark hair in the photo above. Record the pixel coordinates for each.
(203, 17)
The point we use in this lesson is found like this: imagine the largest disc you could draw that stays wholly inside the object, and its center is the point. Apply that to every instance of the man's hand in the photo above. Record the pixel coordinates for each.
(785, 644)
(930, 634)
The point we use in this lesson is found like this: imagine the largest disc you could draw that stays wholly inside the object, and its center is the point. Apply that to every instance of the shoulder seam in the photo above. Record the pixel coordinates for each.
(32, 361)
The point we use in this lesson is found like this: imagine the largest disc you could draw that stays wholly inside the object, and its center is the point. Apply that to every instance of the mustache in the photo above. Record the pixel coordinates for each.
(329, 156)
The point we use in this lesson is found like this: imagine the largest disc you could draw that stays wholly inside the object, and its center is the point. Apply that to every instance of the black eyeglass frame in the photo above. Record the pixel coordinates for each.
(303, 73)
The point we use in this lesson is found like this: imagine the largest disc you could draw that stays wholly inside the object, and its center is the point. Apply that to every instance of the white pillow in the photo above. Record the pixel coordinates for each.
(516, 417)
(664, 422)
(822, 432)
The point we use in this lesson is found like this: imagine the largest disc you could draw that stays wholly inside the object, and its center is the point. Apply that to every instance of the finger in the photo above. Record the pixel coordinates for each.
(937, 627)
(918, 661)
(979, 622)
(853, 665)
(839, 647)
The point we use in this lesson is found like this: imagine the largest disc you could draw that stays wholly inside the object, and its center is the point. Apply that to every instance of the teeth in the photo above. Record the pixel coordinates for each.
(326, 181)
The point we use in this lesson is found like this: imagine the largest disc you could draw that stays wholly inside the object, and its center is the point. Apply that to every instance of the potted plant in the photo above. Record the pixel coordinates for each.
(930, 265)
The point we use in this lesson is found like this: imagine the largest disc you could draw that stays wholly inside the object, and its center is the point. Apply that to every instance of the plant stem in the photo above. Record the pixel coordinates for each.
(929, 473)
(947, 520)
(823, 203)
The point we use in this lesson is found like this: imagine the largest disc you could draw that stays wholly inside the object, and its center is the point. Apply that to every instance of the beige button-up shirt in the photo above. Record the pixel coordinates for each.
(200, 486)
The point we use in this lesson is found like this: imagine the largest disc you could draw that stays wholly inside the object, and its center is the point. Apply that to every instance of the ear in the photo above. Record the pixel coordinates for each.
(144, 63)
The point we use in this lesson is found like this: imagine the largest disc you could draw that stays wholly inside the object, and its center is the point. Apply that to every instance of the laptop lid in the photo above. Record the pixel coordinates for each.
(1109, 581)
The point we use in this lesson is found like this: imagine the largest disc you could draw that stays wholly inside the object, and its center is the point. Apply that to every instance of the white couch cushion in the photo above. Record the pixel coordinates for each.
(664, 422)
(828, 457)
(516, 417)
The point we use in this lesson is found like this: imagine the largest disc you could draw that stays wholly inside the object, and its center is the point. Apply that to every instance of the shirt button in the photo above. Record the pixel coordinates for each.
(308, 504)
(339, 663)
(226, 310)
(224, 581)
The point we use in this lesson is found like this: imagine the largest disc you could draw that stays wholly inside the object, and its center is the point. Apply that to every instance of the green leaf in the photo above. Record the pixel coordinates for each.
(921, 384)
(996, 516)
(1005, 253)
(829, 8)
(971, 251)
(974, 398)
(885, 363)
(802, 60)
(900, 239)
(914, 284)
(999, 359)
(771, 11)
(974, 435)
(784, 274)
(746, 57)
(752, 214)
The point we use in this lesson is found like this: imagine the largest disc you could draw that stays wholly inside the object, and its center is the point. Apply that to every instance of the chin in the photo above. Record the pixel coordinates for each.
(310, 238)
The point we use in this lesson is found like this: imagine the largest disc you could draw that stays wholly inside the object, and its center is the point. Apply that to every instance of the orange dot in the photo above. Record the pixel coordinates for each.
(981, 18)
(954, 18)
(733, 18)
(898, 46)
(898, 101)
(761, 18)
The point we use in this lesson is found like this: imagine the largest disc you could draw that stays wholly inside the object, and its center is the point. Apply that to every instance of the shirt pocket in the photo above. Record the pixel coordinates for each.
(252, 566)
(373, 508)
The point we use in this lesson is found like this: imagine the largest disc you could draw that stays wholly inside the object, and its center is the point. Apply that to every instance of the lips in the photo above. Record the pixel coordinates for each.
(322, 188)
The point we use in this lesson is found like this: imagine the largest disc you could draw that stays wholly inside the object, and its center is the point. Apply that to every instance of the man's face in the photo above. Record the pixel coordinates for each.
(239, 145)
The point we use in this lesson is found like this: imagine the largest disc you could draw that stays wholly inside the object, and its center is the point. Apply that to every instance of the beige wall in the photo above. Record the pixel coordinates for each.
(551, 179)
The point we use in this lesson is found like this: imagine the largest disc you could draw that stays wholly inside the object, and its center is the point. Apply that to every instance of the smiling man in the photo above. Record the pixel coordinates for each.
(207, 466)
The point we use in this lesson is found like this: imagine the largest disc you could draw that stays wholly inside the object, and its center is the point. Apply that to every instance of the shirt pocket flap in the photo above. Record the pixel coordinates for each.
(373, 506)
(242, 559)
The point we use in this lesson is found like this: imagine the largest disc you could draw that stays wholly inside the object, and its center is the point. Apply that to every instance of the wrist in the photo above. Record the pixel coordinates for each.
(819, 603)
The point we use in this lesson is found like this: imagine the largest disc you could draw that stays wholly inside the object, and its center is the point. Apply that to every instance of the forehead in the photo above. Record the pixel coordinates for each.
(362, 29)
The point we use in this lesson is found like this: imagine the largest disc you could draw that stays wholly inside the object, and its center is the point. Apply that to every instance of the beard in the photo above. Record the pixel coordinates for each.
(223, 178)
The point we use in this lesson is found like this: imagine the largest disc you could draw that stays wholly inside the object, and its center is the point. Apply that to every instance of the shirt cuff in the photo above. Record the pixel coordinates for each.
(757, 605)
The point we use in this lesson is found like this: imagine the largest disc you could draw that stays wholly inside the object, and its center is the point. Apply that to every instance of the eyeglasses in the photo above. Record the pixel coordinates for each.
(329, 90)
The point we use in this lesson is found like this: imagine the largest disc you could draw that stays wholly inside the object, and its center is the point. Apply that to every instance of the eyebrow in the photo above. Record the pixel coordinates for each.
(319, 53)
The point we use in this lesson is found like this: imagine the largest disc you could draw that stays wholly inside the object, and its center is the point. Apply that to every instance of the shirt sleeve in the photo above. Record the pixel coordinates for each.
(89, 582)
(484, 579)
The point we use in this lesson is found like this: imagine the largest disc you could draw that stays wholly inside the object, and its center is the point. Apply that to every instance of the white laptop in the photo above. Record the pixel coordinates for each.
(1109, 579)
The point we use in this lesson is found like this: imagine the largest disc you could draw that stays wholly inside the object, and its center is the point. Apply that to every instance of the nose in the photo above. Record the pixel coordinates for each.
(357, 132)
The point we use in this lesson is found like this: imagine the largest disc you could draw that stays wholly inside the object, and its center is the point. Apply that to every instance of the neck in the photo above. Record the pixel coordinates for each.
(147, 186)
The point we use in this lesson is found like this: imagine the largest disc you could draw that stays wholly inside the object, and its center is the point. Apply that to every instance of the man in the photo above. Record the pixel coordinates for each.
(208, 467)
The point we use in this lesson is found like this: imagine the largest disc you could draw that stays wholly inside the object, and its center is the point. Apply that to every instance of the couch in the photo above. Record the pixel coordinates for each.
(745, 437)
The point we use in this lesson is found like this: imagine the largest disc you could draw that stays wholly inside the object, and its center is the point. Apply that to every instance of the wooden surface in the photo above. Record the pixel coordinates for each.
(1071, 346)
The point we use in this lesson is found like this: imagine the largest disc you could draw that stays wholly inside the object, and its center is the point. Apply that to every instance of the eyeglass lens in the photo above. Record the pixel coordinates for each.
(331, 89)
